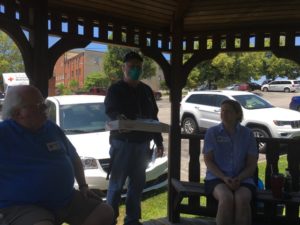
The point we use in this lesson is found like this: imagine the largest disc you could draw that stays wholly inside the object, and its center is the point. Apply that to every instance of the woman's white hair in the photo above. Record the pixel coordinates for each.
(13, 100)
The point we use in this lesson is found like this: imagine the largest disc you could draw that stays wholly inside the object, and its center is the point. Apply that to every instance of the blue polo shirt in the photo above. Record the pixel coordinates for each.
(35, 168)
(230, 152)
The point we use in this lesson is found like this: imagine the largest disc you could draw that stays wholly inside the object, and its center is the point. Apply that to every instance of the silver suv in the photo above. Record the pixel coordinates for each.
(282, 85)
(200, 110)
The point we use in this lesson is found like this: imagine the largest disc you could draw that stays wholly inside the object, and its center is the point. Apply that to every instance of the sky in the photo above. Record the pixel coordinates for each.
(92, 46)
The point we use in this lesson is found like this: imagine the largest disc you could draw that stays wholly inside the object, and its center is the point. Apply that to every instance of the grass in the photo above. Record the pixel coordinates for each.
(154, 204)
(282, 165)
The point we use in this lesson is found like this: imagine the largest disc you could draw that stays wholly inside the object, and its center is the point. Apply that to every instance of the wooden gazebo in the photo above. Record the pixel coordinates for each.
(203, 28)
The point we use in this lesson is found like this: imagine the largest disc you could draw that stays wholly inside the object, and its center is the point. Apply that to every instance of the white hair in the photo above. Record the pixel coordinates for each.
(13, 100)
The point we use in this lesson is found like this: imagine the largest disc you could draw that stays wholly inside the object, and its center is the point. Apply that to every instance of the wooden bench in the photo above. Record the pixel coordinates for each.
(266, 208)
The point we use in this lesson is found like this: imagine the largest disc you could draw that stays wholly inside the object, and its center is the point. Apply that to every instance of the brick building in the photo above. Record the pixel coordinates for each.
(79, 63)
(75, 65)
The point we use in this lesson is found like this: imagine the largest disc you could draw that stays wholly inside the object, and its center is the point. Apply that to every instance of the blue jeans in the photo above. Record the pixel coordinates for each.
(129, 161)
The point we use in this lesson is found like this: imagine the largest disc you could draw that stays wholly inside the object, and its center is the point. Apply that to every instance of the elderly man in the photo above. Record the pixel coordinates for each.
(130, 98)
(37, 168)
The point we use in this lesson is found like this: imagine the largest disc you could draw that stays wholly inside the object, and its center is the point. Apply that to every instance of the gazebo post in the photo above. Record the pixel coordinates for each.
(176, 83)
(38, 37)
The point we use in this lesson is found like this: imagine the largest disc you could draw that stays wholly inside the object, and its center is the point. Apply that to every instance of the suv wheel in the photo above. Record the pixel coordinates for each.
(157, 96)
(265, 89)
(261, 133)
(286, 90)
(189, 125)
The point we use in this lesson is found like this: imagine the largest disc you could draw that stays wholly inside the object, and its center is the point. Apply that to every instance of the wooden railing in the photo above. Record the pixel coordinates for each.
(274, 148)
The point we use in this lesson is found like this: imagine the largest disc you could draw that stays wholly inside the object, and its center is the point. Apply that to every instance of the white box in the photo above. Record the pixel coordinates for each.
(138, 125)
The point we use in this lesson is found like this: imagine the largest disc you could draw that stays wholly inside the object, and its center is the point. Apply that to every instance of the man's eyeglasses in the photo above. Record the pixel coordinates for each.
(39, 106)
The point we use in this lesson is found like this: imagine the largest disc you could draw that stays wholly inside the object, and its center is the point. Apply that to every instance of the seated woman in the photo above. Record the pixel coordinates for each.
(230, 154)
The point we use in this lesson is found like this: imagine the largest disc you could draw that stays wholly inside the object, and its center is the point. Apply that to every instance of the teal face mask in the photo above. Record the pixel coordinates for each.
(135, 73)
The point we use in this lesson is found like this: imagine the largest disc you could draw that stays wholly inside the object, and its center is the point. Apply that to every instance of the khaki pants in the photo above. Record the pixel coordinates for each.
(75, 212)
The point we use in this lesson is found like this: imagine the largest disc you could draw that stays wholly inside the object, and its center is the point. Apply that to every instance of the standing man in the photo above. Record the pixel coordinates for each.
(131, 99)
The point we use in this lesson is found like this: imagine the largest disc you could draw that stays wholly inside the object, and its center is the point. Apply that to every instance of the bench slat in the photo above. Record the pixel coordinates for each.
(189, 189)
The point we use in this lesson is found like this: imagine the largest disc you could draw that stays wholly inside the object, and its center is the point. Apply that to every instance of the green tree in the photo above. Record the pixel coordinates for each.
(96, 79)
(194, 79)
(62, 90)
(113, 61)
(274, 67)
(10, 56)
(228, 68)
(163, 85)
(73, 85)
(238, 67)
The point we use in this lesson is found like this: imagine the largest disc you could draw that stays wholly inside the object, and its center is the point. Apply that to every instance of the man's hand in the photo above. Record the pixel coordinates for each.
(121, 117)
(88, 193)
(160, 151)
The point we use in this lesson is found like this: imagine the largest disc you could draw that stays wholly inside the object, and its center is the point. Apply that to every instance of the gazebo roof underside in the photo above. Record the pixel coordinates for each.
(199, 16)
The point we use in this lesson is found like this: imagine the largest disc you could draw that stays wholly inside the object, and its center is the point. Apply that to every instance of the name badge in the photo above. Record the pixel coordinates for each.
(53, 146)
(222, 139)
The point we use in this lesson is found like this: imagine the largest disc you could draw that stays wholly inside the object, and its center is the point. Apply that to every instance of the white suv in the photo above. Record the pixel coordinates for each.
(282, 85)
(201, 110)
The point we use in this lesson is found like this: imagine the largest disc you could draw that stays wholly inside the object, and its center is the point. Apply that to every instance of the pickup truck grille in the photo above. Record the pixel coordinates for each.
(295, 124)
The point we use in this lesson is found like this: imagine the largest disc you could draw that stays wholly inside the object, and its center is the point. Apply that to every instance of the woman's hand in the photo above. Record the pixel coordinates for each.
(236, 182)
(232, 183)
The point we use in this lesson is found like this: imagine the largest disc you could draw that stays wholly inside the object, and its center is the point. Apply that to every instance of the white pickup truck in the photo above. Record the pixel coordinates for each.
(13, 79)
(9, 80)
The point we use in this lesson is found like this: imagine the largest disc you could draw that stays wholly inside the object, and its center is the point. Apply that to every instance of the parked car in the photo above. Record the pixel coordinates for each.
(206, 86)
(83, 119)
(238, 87)
(1, 99)
(266, 81)
(201, 110)
(97, 91)
(254, 86)
(295, 103)
(282, 85)
(243, 87)
(157, 95)
(232, 87)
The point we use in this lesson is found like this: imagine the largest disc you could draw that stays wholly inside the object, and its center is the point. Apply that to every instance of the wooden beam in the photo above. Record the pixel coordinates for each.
(197, 58)
(157, 56)
(38, 38)
(181, 9)
(177, 81)
(17, 35)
